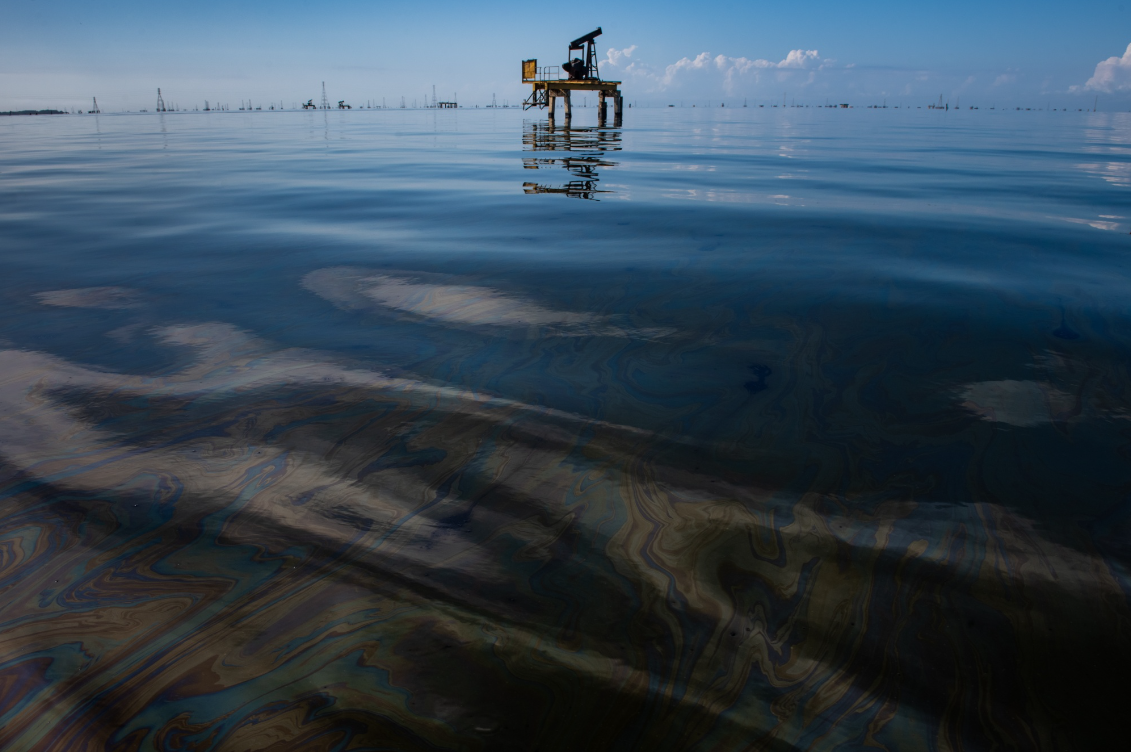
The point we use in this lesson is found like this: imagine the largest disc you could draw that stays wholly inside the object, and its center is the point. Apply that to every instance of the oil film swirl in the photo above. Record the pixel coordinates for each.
(277, 548)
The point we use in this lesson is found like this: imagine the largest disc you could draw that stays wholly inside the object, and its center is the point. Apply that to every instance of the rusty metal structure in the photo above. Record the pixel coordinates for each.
(580, 74)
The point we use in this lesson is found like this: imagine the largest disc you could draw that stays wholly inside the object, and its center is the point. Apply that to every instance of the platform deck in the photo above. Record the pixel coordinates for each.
(585, 84)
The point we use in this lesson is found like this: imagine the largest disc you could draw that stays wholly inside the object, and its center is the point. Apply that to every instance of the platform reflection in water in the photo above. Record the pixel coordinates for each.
(587, 149)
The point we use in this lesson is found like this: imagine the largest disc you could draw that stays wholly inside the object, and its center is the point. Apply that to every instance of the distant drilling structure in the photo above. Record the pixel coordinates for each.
(548, 85)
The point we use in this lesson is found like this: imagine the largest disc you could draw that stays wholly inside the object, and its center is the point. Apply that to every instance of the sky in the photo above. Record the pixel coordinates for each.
(60, 53)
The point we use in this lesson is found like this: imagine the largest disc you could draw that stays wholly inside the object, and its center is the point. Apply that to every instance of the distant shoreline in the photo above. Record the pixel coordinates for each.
(33, 112)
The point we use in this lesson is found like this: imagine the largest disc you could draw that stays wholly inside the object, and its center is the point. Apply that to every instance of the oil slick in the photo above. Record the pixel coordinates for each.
(272, 544)
(332, 438)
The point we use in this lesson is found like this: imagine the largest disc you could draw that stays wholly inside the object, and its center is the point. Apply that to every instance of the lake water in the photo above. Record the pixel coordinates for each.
(750, 429)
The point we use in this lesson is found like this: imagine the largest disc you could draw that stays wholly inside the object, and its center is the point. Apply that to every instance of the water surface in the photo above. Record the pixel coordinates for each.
(755, 429)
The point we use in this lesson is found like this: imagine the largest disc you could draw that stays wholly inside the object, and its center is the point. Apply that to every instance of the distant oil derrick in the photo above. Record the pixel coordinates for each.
(325, 102)
(160, 101)
(95, 111)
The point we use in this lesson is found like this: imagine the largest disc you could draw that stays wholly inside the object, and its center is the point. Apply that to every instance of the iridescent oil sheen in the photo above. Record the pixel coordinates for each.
(725, 430)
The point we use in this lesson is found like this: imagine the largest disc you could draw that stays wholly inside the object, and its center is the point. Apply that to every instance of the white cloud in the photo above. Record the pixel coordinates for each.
(1005, 78)
(730, 67)
(708, 73)
(614, 56)
(701, 61)
(1113, 74)
(799, 59)
(796, 60)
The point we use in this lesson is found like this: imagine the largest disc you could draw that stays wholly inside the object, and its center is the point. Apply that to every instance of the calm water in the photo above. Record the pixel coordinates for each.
(726, 430)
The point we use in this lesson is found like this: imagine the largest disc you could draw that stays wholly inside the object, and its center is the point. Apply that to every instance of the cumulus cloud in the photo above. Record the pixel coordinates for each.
(699, 62)
(615, 56)
(1113, 74)
(797, 60)
(1004, 79)
(731, 71)
(733, 67)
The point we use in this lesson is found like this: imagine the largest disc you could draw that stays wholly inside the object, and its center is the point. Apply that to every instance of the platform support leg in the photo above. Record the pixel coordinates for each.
(550, 96)
(565, 101)
(602, 108)
(618, 108)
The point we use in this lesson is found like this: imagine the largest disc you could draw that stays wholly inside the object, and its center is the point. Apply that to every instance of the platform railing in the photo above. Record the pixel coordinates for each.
(541, 72)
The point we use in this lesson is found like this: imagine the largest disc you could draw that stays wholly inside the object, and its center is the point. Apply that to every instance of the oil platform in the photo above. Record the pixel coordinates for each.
(548, 83)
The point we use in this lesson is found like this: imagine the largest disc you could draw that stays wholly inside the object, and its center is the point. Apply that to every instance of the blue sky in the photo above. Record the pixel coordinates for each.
(59, 53)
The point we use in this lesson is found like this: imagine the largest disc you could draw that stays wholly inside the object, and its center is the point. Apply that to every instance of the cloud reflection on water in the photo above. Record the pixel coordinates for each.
(91, 297)
(425, 296)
